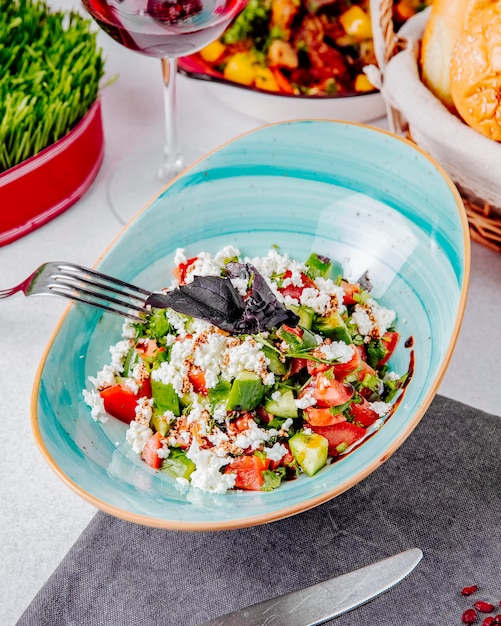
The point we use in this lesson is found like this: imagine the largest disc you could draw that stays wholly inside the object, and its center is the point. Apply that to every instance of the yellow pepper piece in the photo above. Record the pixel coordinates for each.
(357, 23)
(241, 68)
(213, 51)
(265, 79)
(362, 83)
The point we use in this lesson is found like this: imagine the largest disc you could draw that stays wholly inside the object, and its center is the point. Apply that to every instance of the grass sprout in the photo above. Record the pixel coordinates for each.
(51, 70)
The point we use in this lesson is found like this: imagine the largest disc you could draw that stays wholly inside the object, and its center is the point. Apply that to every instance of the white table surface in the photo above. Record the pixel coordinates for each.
(40, 517)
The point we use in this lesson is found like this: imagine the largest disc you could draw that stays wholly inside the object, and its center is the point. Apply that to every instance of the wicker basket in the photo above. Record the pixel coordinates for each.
(484, 217)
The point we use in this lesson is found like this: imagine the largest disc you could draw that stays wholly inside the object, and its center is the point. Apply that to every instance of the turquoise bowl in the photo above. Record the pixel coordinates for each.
(358, 194)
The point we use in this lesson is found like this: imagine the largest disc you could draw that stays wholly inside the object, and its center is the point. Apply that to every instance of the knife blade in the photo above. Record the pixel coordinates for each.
(326, 600)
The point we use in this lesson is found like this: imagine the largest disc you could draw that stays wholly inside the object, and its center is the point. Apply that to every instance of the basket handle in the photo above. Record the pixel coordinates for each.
(387, 44)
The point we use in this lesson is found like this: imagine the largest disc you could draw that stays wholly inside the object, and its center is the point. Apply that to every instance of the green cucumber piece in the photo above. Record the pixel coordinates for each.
(333, 326)
(178, 465)
(283, 406)
(318, 266)
(310, 451)
(275, 365)
(246, 392)
(305, 313)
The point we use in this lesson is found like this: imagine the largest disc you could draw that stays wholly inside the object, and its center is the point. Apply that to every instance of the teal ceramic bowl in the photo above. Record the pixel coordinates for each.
(357, 194)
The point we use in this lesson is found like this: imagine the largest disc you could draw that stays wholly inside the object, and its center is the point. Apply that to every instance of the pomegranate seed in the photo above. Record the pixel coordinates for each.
(497, 619)
(484, 607)
(488, 621)
(467, 591)
(469, 616)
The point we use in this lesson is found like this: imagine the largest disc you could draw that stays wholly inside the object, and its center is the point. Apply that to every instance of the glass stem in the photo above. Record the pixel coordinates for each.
(172, 162)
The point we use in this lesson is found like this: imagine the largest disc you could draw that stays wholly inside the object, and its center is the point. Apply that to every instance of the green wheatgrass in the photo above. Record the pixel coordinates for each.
(51, 68)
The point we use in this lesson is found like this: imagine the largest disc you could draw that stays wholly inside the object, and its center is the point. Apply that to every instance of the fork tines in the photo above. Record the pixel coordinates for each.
(105, 292)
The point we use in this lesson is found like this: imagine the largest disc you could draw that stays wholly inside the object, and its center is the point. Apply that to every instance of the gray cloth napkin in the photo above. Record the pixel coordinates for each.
(440, 492)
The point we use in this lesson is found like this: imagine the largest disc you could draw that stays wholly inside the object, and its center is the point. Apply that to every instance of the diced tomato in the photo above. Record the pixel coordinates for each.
(286, 461)
(282, 83)
(150, 451)
(295, 291)
(331, 392)
(350, 289)
(338, 434)
(315, 368)
(148, 348)
(249, 471)
(182, 269)
(295, 331)
(363, 369)
(322, 417)
(196, 377)
(362, 413)
(120, 401)
(390, 340)
(296, 366)
(341, 370)
(241, 423)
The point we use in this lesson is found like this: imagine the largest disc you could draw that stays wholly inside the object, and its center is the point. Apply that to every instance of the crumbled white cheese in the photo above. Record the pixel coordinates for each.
(306, 400)
(276, 452)
(207, 475)
(137, 435)
(381, 408)
(95, 402)
(336, 351)
(372, 319)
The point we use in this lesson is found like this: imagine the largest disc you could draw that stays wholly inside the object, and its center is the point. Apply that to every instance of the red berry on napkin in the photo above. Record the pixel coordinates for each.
(484, 607)
(469, 616)
(467, 591)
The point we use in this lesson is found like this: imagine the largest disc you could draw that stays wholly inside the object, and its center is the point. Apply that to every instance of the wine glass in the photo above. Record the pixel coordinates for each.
(165, 29)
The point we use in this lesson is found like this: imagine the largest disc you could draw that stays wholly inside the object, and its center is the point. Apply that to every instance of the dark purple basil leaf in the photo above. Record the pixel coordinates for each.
(210, 298)
(263, 311)
(215, 300)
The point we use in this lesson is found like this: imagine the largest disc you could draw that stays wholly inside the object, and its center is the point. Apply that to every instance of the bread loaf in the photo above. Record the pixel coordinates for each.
(476, 69)
(443, 28)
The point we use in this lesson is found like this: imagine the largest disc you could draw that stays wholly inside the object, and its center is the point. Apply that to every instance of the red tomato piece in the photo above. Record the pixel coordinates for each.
(322, 417)
(148, 349)
(315, 368)
(350, 289)
(120, 401)
(150, 450)
(331, 392)
(197, 379)
(295, 291)
(296, 366)
(362, 413)
(390, 340)
(338, 434)
(341, 370)
(282, 82)
(249, 471)
(182, 269)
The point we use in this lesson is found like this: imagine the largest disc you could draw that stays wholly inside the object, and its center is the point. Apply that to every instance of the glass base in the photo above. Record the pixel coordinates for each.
(140, 177)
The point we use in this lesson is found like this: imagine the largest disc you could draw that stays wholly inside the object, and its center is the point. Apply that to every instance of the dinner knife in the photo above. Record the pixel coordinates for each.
(326, 600)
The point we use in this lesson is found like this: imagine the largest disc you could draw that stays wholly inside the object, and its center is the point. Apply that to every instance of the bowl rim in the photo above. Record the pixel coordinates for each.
(328, 494)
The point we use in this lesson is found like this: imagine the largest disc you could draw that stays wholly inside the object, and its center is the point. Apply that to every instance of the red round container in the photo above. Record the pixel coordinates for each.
(45, 185)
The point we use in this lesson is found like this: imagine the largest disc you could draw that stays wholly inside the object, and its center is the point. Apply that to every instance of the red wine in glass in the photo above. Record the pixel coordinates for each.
(166, 29)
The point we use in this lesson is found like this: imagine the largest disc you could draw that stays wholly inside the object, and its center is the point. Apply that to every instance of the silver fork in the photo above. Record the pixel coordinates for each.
(85, 285)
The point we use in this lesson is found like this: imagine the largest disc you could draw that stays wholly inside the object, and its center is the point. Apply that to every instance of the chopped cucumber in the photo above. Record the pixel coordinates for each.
(246, 393)
(310, 451)
(333, 326)
(283, 406)
(318, 266)
(275, 365)
(178, 465)
(305, 313)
